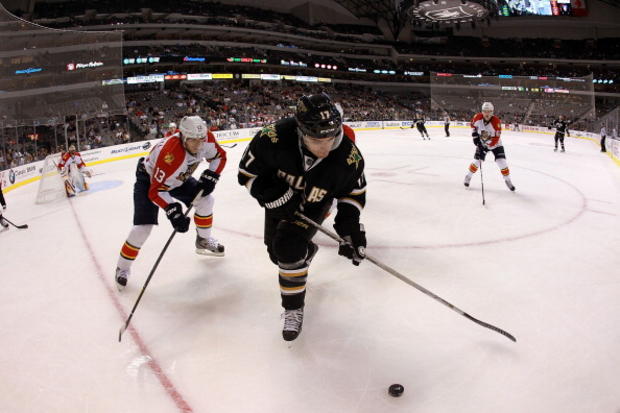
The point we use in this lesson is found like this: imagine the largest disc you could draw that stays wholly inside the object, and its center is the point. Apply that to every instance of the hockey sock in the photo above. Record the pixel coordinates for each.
(292, 278)
(203, 225)
(131, 247)
(473, 167)
(503, 167)
(203, 217)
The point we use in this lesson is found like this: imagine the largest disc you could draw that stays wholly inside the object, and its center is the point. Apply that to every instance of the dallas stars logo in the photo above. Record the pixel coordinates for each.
(354, 157)
(270, 132)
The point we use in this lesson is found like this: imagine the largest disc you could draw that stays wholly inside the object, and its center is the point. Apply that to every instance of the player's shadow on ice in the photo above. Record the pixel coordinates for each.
(100, 186)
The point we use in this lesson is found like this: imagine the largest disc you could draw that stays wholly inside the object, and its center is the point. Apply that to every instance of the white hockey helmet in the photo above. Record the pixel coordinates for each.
(172, 125)
(488, 106)
(193, 127)
(71, 148)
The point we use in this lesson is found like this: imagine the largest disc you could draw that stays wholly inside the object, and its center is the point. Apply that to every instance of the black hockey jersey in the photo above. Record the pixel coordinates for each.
(420, 121)
(561, 126)
(276, 152)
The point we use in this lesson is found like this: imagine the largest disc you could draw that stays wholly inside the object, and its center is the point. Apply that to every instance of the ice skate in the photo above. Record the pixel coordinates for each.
(293, 320)
(209, 246)
(121, 278)
(5, 225)
(563, 150)
(467, 180)
(555, 149)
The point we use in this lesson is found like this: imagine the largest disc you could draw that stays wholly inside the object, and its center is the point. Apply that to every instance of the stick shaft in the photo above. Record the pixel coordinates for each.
(482, 183)
(407, 281)
(148, 279)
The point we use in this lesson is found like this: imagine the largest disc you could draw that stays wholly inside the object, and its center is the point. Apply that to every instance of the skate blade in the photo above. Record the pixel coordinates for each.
(208, 253)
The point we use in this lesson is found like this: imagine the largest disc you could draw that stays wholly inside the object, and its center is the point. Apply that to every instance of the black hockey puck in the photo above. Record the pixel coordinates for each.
(396, 390)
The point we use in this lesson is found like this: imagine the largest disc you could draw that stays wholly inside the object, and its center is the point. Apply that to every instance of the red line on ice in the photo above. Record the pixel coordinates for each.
(165, 381)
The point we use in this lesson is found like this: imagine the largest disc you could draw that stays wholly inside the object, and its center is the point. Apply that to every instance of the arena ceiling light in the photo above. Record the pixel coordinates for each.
(451, 11)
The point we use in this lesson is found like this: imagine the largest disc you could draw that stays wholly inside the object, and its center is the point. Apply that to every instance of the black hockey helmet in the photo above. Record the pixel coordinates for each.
(318, 117)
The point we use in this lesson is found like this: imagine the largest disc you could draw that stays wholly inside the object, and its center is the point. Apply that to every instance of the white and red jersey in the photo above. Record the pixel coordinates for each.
(169, 164)
(493, 128)
(69, 158)
(348, 132)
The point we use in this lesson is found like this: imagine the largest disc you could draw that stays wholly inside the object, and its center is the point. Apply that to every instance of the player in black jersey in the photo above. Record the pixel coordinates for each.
(419, 124)
(561, 129)
(303, 163)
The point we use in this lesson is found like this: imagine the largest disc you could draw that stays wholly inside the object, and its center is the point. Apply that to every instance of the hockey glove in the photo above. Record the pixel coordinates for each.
(354, 247)
(281, 201)
(179, 222)
(207, 181)
(480, 145)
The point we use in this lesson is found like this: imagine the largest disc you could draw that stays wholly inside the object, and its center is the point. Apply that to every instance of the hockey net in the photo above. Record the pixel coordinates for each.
(51, 186)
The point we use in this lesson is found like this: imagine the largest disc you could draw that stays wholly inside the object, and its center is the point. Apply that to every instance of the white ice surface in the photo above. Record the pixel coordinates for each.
(541, 263)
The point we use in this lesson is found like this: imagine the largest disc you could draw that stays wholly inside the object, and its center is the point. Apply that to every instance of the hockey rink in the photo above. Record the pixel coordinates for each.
(541, 263)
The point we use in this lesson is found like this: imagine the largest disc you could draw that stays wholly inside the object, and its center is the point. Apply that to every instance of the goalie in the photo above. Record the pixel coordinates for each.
(72, 170)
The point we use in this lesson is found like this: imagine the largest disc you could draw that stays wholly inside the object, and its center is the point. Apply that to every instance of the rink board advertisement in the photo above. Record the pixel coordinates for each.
(22, 175)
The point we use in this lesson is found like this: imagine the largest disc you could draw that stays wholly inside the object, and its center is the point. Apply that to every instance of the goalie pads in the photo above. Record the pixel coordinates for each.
(69, 188)
(74, 180)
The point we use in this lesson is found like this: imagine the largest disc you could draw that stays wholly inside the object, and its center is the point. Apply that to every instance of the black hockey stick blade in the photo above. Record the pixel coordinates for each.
(490, 327)
(23, 226)
(229, 146)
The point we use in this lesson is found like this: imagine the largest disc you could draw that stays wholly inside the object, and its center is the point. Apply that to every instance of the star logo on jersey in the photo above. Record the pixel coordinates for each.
(270, 132)
(354, 157)
(169, 158)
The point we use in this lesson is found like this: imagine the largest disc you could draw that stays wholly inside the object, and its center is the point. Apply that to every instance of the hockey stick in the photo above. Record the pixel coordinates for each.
(148, 279)
(406, 280)
(228, 146)
(24, 226)
(482, 183)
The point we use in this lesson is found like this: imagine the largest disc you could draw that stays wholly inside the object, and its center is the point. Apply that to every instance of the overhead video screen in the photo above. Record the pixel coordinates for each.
(542, 7)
